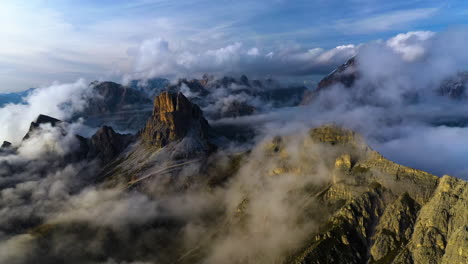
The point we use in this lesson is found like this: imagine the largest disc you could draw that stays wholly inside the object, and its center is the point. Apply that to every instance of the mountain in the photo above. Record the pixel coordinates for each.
(348, 73)
(126, 108)
(105, 144)
(116, 105)
(390, 213)
(229, 97)
(345, 74)
(175, 118)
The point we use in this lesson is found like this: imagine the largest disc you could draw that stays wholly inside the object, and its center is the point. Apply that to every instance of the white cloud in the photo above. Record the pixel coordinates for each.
(411, 45)
(58, 100)
(158, 57)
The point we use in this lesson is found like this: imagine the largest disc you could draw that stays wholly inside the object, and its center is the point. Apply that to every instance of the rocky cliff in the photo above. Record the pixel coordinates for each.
(174, 118)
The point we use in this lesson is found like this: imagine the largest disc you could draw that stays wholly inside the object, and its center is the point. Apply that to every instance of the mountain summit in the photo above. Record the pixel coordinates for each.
(173, 118)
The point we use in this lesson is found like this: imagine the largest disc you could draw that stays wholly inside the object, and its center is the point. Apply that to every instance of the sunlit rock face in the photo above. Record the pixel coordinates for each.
(387, 213)
(174, 118)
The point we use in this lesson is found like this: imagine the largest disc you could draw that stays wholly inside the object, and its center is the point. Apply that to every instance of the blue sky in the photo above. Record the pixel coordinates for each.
(63, 40)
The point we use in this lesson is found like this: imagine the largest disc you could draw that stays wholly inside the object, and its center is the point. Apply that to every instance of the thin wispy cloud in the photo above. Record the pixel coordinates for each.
(385, 22)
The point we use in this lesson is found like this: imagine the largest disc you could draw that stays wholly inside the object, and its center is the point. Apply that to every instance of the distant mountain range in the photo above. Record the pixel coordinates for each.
(14, 98)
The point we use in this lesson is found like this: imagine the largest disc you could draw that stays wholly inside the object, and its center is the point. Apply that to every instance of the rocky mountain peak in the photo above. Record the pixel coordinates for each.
(345, 74)
(5, 145)
(44, 119)
(41, 119)
(174, 117)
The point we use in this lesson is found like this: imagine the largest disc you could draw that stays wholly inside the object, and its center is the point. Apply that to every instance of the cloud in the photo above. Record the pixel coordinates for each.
(394, 103)
(411, 45)
(60, 101)
(157, 57)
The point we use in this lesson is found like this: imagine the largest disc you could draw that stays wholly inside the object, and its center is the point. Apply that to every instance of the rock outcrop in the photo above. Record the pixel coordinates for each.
(5, 145)
(174, 120)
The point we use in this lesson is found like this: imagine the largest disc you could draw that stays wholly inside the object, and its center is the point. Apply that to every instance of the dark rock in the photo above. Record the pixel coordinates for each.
(346, 74)
(106, 144)
(41, 119)
(5, 145)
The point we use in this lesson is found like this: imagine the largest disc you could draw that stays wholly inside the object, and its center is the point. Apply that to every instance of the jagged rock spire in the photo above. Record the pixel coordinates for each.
(173, 118)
